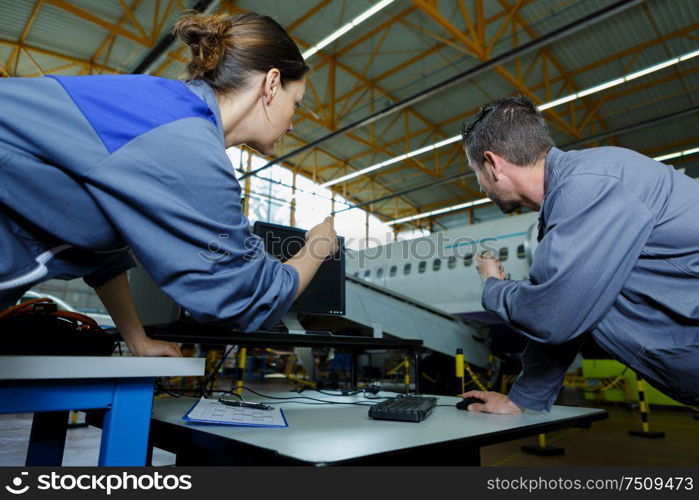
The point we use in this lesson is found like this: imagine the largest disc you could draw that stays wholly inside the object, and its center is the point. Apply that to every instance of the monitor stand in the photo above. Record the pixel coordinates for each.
(294, 326)
(303, 354)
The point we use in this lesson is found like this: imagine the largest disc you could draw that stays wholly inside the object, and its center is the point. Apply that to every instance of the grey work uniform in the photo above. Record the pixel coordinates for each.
(618, 258)
(92, 166)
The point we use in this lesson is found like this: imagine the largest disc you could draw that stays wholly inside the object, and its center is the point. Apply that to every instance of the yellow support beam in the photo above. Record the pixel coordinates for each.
(161, 24)
(480, 26)
(305, 17)
(108, 42)
(34, 62)
(56, 69)
(89, 17)
(331, 93)
(14, 56)
(434, 14)
(422, 55)
(129, 14)
(58, 55)
(503, 27)
(469, 22)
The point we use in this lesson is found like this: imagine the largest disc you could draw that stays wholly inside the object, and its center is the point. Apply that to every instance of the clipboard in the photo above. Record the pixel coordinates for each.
(210, 411)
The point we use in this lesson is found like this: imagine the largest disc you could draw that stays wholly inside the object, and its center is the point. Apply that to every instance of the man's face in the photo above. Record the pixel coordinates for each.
(495, 190)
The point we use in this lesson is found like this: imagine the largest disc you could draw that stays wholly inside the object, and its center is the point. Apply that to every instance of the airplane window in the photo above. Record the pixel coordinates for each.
(367, 273)
(521, 254)
(379, 273)
(452, 262)
(421, 268)
(406, 269)
(392, 272)
(504, 253)
(436, 264)
(468, 260)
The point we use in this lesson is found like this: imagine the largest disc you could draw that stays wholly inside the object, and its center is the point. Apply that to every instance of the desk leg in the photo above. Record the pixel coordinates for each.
(416, 365)
(48, 438)
(354, 379)
(127, 423)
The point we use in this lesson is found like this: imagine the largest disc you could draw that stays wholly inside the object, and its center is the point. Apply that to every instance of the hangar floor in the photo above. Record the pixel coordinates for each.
(606, 443)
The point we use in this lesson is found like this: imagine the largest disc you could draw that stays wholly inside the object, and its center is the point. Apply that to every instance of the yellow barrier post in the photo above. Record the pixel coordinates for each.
(406, 377)
(240, 381)
(460, 368)
(73, 423)
(643, 405)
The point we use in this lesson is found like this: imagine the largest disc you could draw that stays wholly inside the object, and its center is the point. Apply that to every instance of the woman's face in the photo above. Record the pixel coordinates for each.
(279, 111)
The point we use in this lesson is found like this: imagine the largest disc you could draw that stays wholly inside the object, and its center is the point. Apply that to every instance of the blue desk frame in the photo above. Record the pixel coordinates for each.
(126, 426)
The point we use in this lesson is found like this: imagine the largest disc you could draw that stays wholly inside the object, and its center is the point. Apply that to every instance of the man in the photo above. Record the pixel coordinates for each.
(618, 257)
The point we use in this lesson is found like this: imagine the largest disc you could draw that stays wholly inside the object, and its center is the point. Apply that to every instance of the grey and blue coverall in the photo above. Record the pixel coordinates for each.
(93, 166)
(618, 258)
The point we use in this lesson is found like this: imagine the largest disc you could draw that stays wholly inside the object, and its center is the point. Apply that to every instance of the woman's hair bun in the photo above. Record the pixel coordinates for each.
(227, 50)
(207, 38)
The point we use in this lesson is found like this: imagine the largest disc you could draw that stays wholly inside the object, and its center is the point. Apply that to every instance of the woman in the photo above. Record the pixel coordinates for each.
(93, 166)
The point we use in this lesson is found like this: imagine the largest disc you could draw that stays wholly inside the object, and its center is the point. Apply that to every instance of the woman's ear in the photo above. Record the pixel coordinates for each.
(271, 85)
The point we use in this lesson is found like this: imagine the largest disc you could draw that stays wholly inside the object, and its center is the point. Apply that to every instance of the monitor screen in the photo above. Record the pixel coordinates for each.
(325, 294)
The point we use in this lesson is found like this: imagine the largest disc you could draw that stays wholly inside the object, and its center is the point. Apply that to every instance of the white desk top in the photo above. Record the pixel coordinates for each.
(331, 433)
(79, 367)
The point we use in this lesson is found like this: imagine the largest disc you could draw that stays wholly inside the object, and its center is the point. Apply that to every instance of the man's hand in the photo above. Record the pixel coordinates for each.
(145, 346)
(489, 266)
(494, 402)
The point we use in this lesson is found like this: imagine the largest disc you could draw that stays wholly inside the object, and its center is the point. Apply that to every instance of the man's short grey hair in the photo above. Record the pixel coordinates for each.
(511, 127)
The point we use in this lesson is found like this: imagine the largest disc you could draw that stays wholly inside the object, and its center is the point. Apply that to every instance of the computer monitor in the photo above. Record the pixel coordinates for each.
(325, 294)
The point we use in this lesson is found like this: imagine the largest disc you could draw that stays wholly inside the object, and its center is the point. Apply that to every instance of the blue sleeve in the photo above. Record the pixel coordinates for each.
(173, 196)
(596, 231)
(111, 266)
(543, 369)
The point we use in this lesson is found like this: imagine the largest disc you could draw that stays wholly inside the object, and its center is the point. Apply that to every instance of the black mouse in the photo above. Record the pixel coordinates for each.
(463, 404)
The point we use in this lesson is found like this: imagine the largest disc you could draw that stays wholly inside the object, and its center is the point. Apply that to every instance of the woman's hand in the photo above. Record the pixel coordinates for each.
(321, 240)
(116, 297)
(321, 243)
(148, 347)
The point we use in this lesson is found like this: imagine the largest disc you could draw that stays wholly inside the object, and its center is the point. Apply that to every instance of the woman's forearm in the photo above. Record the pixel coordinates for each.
(321, 242)
(306, 264)
(116, 297)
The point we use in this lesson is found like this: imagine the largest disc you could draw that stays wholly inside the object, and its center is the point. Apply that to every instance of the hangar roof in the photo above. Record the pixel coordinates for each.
(401, 51)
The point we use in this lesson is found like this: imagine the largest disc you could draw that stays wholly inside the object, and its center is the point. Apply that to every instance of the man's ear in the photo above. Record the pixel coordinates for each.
(270, 85)
(497, 162)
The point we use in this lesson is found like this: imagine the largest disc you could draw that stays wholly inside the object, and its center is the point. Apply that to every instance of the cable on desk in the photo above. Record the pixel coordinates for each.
(357, 403)
(289, 398)
(352, 392)
(368, 388)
